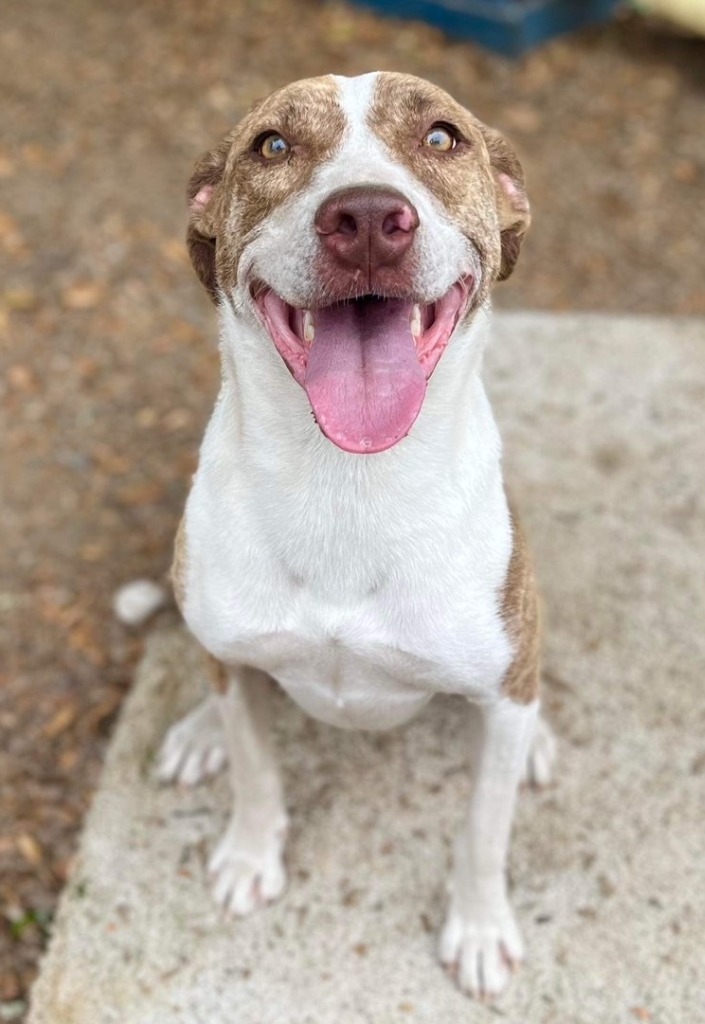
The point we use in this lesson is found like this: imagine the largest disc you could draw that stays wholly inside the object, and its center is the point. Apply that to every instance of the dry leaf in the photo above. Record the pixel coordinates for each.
(30, 849)
(146, 417)
(20, 300)
(21, 378)
(62, 720)
(82, 295)
(141, 494)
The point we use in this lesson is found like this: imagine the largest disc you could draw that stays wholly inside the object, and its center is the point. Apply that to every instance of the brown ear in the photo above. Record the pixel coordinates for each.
(204, 209)
(512, 203)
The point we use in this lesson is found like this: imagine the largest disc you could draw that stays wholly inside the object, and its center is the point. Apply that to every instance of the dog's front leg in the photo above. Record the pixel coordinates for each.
(480, 939)
(247, 864)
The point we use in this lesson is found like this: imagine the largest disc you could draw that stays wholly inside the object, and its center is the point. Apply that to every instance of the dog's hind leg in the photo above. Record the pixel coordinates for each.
(480, 940)
(247, 865)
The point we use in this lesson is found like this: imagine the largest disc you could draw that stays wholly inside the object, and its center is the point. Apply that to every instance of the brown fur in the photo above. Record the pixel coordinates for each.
(247, 187)
(520, 613)
(218, 675)
(465, 179)
(178, 565)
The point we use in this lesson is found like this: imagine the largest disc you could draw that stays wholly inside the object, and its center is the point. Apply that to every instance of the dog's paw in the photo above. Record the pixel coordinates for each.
(538, 770)
(481, 951)
(194, 748)
(248, 869)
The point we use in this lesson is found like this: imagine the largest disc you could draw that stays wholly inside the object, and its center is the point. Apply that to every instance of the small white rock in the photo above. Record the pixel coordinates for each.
(137, 601)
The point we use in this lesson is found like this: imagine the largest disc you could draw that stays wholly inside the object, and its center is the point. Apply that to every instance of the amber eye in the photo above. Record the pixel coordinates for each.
(441, 138)
(273, 146)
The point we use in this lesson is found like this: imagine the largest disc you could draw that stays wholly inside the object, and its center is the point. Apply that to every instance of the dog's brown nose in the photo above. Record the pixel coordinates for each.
(367, 228)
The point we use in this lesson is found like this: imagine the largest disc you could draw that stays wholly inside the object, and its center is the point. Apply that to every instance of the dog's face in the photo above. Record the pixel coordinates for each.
(359, 221)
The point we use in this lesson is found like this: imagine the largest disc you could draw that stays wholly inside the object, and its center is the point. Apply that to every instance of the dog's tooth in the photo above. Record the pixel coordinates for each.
(309, 332)
(416, 321)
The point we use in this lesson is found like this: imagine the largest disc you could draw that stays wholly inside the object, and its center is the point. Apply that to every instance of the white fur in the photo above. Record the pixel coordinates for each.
(362, 584)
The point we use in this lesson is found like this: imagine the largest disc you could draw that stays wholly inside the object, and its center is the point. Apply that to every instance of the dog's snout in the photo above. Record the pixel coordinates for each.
(367, 228)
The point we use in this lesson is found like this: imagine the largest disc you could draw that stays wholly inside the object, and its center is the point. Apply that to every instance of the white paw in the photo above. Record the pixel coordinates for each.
(248, 869)
(194, 748)
(538, 770)
(482, 950)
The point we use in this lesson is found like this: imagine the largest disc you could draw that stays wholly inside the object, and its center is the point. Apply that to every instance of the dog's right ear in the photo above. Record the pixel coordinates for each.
(204, 213)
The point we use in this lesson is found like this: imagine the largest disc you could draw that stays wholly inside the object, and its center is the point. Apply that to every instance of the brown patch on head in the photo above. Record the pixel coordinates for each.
(480, 182)
(178, 565)
(521, 618)
(233, 189)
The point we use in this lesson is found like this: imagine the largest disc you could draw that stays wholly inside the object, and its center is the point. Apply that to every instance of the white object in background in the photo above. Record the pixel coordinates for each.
(137, 601)
(688, 13)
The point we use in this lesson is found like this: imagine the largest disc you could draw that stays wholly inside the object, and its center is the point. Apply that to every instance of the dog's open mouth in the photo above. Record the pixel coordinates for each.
(364, 363)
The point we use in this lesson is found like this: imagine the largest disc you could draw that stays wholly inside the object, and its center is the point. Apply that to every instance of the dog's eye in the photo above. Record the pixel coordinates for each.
(272, 146)
(440, 137)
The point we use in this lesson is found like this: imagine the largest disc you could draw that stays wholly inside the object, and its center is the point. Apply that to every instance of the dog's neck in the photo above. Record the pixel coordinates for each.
(340, 522)
(275, 429)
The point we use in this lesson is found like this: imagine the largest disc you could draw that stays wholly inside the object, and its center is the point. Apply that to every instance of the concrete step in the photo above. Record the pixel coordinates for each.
(603, 425)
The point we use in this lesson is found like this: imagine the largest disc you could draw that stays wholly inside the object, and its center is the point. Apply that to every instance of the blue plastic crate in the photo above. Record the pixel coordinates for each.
(508, 26)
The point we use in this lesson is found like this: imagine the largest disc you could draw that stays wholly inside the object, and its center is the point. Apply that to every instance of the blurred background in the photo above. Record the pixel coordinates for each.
(109, 361)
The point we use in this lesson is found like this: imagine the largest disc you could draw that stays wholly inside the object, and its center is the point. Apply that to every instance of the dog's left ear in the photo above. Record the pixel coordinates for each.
(512, 203)
(204, 213)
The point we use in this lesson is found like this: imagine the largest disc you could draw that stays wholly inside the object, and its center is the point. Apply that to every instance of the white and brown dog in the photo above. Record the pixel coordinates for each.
(348, 533)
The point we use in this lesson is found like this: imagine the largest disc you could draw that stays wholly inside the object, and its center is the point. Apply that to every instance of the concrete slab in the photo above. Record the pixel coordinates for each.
(604, 429)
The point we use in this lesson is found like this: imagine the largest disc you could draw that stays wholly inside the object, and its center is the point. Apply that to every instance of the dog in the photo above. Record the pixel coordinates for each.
(347, 532)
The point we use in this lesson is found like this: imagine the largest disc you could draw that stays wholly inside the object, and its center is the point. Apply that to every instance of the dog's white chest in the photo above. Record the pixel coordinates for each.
(334, 675)
(363, 642)
(356, 666)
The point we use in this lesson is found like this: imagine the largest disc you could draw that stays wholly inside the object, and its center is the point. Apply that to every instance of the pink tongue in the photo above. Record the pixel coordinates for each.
(363, 379)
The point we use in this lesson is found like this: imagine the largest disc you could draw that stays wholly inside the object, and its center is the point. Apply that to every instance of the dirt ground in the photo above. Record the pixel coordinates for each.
(108, 346)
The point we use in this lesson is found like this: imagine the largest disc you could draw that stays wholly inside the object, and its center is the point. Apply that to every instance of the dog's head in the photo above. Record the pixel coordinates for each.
(359, 220)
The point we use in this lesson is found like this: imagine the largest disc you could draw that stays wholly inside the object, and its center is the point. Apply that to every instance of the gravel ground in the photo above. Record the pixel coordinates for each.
(108, 353)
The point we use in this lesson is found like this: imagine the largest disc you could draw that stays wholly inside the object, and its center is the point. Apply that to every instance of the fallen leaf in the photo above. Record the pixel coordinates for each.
(21, 378)
(82, 295)
(685, 171)
(86, 368)
(7, 168)
(93, 551)
(68, 760)
(20, 300)
(9, 228)
(141, 494)
(174, 250)
(62, 720)
(30, 849)
(146, 417)
(84, 638)
(177, 419)
(109, 461)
